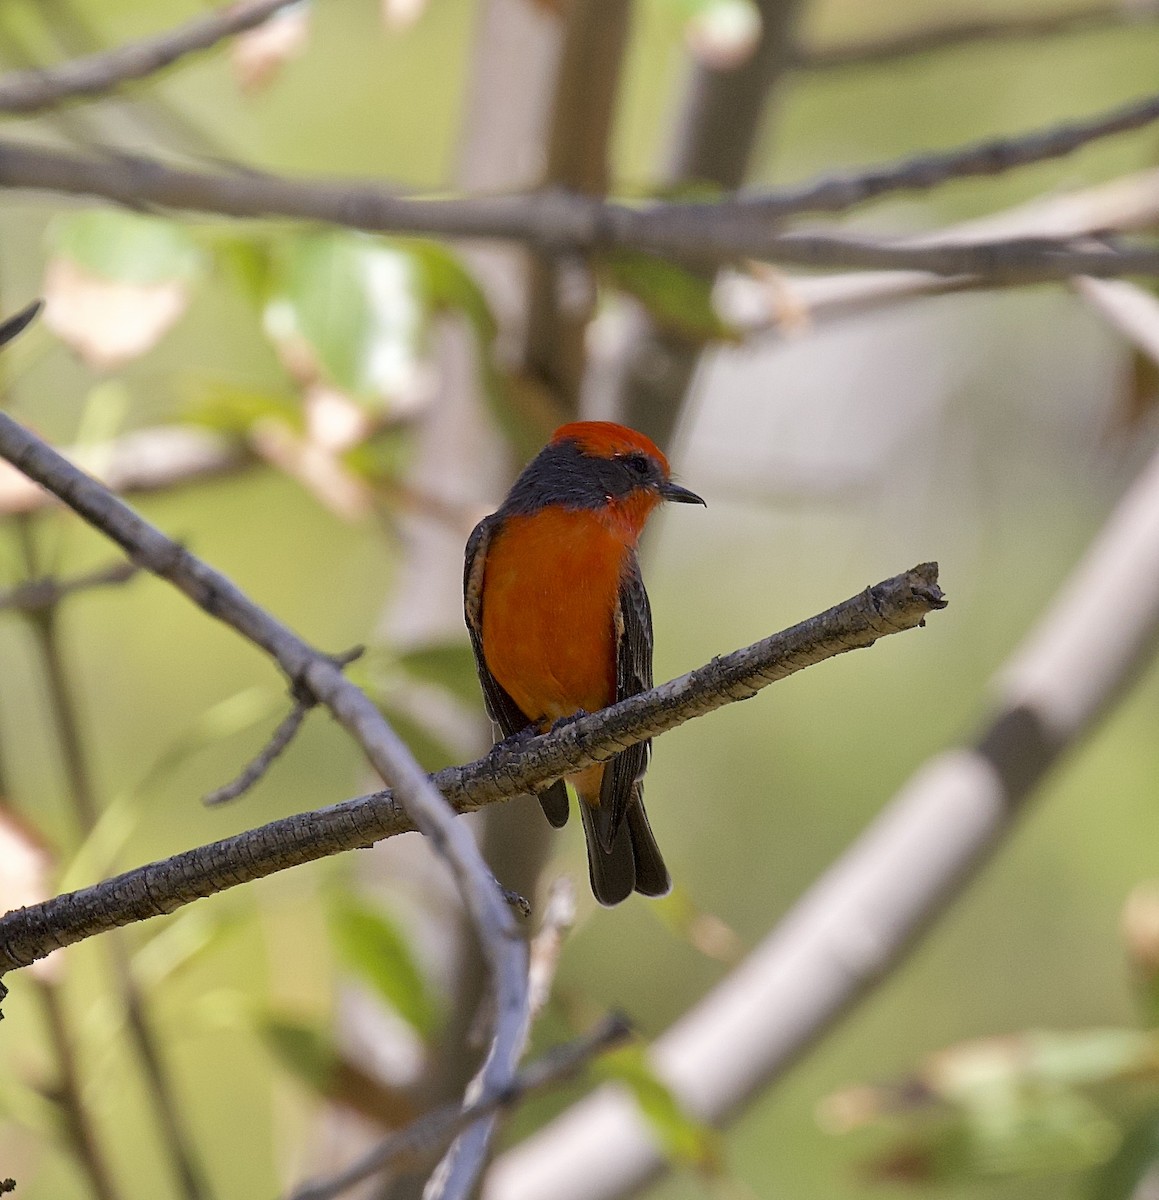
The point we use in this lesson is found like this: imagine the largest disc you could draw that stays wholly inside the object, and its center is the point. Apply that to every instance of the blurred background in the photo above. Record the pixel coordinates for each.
(350, 407)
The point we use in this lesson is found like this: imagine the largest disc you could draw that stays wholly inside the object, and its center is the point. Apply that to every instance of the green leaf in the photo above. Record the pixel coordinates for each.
(1121, 1178)
(304, 1051)
(346, 308)
(677, 298)
(127, 247)
(311, 1056)
(449, 665)
(683, 1137)
(385, 455)
(245, 259)
(235, 411)
(1001, 1106)
(1036, 1132)
(374, 947)
(446, 283)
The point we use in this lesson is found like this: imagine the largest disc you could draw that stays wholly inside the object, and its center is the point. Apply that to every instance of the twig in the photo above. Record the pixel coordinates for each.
(320, 676)
(509, 770)
(419, 1142)
(952, 35)
(254, 770)
(1132, 311)
(1127, 204)
(861, 918)
(552, 220)
(705, 232)
(38, 594)
(78, 1120)
(282, 736)
(546, 946)
(36, 90)
(720, 116)
(83, 794)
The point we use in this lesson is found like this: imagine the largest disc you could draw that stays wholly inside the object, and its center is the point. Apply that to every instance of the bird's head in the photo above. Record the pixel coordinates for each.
(601, 467)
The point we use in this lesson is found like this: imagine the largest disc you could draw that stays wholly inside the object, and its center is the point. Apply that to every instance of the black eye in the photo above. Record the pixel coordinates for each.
(638, 464)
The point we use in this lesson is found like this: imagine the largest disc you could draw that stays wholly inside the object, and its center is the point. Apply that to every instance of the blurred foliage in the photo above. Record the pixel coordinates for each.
(685, 1139)
(376, 949)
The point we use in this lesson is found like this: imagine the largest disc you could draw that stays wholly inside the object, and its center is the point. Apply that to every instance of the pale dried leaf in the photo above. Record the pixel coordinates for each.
(724, 34)
(313, 466)
(107, 322)
(17, 492)
(1140, 925)
(400, 15)
(259, 54)
(333, 421)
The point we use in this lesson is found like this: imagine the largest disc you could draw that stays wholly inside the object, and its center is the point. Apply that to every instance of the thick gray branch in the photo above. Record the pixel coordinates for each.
(510, 770)
(36, 90)
(732, 228)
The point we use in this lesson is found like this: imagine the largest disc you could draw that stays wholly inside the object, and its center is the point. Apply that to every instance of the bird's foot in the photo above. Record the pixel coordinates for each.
(570, 719)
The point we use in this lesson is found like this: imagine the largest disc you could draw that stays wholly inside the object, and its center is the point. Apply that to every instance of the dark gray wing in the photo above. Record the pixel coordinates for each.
(633, 621)
(502, 709)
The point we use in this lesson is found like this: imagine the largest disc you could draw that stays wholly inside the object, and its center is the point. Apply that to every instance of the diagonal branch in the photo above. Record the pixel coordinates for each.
(34, 91)
(974, 31)
(559, 220)
(36, 595)
(320, 676)
(419, 1142)
(511, 769)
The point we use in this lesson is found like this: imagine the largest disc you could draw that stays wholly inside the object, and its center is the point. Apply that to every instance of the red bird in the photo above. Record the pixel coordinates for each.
(560, 624)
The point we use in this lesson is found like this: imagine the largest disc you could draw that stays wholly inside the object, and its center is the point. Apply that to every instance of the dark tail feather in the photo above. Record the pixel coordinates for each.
(652, 878)
(613, 875)
(554, 803)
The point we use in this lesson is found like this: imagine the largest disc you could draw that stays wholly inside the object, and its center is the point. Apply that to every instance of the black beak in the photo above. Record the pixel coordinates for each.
(17, 324)
(681, 495)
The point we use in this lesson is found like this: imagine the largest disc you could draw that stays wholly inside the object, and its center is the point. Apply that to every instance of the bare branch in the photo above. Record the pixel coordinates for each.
(418, 1143)
(254, 770)
(39, 594)
(34, 91)
(952, 35)
(509, 770)
(556, 220)
(282, 736)
(1127, 204)
(321, 677)
(547, 945)
(860, 919)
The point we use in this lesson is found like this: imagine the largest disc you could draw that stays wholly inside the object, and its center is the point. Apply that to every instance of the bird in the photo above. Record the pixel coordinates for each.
(560, 625)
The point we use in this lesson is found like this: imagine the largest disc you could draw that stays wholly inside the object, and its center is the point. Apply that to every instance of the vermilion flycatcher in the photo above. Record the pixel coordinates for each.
(560, 624)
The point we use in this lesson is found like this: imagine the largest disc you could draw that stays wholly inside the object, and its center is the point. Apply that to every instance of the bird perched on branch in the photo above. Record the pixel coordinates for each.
(560, 624)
